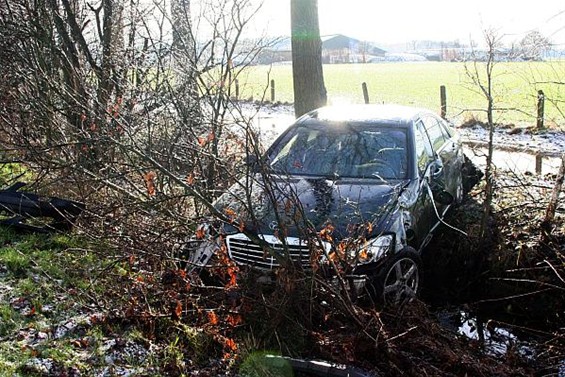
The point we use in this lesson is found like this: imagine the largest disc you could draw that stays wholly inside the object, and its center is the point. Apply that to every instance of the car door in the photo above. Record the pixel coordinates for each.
(424, 218)
(447, 147)
(453, 157)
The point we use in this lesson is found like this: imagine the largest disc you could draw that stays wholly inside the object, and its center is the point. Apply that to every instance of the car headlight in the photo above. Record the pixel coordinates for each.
(374, 249)
(199, 252)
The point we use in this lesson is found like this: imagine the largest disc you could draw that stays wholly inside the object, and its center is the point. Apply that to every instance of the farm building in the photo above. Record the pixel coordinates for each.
(336, 49)
(279, 50)
(342, 49)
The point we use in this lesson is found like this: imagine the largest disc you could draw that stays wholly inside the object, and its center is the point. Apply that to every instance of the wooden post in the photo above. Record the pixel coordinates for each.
(272, 90)
(541, 105)
(365, 92)
(443, 99)
(236, 89)
(539, 160)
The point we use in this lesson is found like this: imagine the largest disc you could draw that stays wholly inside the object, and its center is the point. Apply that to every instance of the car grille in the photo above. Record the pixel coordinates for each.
(244, 251)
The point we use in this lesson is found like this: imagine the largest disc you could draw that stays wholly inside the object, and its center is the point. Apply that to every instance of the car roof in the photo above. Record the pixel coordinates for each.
(362, 113)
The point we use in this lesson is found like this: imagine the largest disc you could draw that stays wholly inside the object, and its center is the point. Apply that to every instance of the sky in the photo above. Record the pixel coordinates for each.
(401, 21)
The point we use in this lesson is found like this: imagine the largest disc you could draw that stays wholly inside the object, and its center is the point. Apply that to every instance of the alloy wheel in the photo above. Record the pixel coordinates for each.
(401, 281)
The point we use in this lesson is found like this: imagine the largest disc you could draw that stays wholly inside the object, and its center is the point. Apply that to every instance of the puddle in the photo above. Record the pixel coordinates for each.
(495, 340)
(520, 162)
(501, 340)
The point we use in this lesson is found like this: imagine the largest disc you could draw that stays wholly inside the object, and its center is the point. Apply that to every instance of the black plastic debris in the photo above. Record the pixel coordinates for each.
(22, 208)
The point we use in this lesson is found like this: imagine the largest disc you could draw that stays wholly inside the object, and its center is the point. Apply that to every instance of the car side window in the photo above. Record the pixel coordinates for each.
(446, 129)
(435, 132)
(423, 147)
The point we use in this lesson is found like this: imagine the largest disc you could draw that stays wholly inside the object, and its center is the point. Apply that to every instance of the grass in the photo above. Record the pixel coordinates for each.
(60, 295)
(14, 260)
(43, 275)
(515, 86)
(9, 319)
(13, 172)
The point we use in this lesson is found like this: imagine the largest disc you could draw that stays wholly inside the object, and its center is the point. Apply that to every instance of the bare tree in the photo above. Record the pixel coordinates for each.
(552, 83)
(553, 201)
(307, 73)
(482, 78)
(533, 46)
(107, 100)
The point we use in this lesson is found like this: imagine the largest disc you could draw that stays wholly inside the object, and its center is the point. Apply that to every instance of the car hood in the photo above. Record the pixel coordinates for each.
(295, 203)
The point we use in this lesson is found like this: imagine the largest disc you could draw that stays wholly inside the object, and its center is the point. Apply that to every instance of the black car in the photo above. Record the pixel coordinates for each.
(355, 190)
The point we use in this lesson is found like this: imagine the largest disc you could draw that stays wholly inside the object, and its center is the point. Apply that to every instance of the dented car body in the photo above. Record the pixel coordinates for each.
(356, 191)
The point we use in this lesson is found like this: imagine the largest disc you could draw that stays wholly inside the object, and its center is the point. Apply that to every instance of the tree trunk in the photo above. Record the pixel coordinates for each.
(183, 48)
(308, 78)
(487, 205)
(487, 90)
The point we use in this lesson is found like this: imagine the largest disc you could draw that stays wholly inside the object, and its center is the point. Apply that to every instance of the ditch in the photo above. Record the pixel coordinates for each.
(494, 293)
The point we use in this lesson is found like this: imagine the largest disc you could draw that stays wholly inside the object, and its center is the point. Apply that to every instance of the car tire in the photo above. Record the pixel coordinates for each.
(398, 280)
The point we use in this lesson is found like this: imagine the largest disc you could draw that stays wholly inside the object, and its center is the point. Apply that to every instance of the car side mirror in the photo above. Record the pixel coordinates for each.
(436, 168)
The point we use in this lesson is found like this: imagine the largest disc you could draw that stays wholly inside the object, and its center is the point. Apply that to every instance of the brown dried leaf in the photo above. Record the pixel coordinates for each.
(149, 179)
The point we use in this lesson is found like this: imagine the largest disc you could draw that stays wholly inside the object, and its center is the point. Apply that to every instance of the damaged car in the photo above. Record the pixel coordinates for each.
(353, 193)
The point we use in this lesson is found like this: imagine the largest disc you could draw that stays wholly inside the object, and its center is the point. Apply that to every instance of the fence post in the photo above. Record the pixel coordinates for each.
(272, 90)
(541, 105)
(237, 89)
(365, 92)
(443, 99)
(539, 163)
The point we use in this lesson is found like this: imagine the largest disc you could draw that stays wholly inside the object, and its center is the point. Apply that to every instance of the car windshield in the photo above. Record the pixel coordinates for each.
(348, 151)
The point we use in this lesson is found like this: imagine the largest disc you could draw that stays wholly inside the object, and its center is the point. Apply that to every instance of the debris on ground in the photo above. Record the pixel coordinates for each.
(23, 207)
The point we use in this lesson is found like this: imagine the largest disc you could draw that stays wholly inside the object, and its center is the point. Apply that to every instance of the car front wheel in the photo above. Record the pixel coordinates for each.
(398, 281)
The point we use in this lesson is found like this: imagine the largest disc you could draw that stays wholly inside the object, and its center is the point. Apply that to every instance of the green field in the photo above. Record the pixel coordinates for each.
(515, 87)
